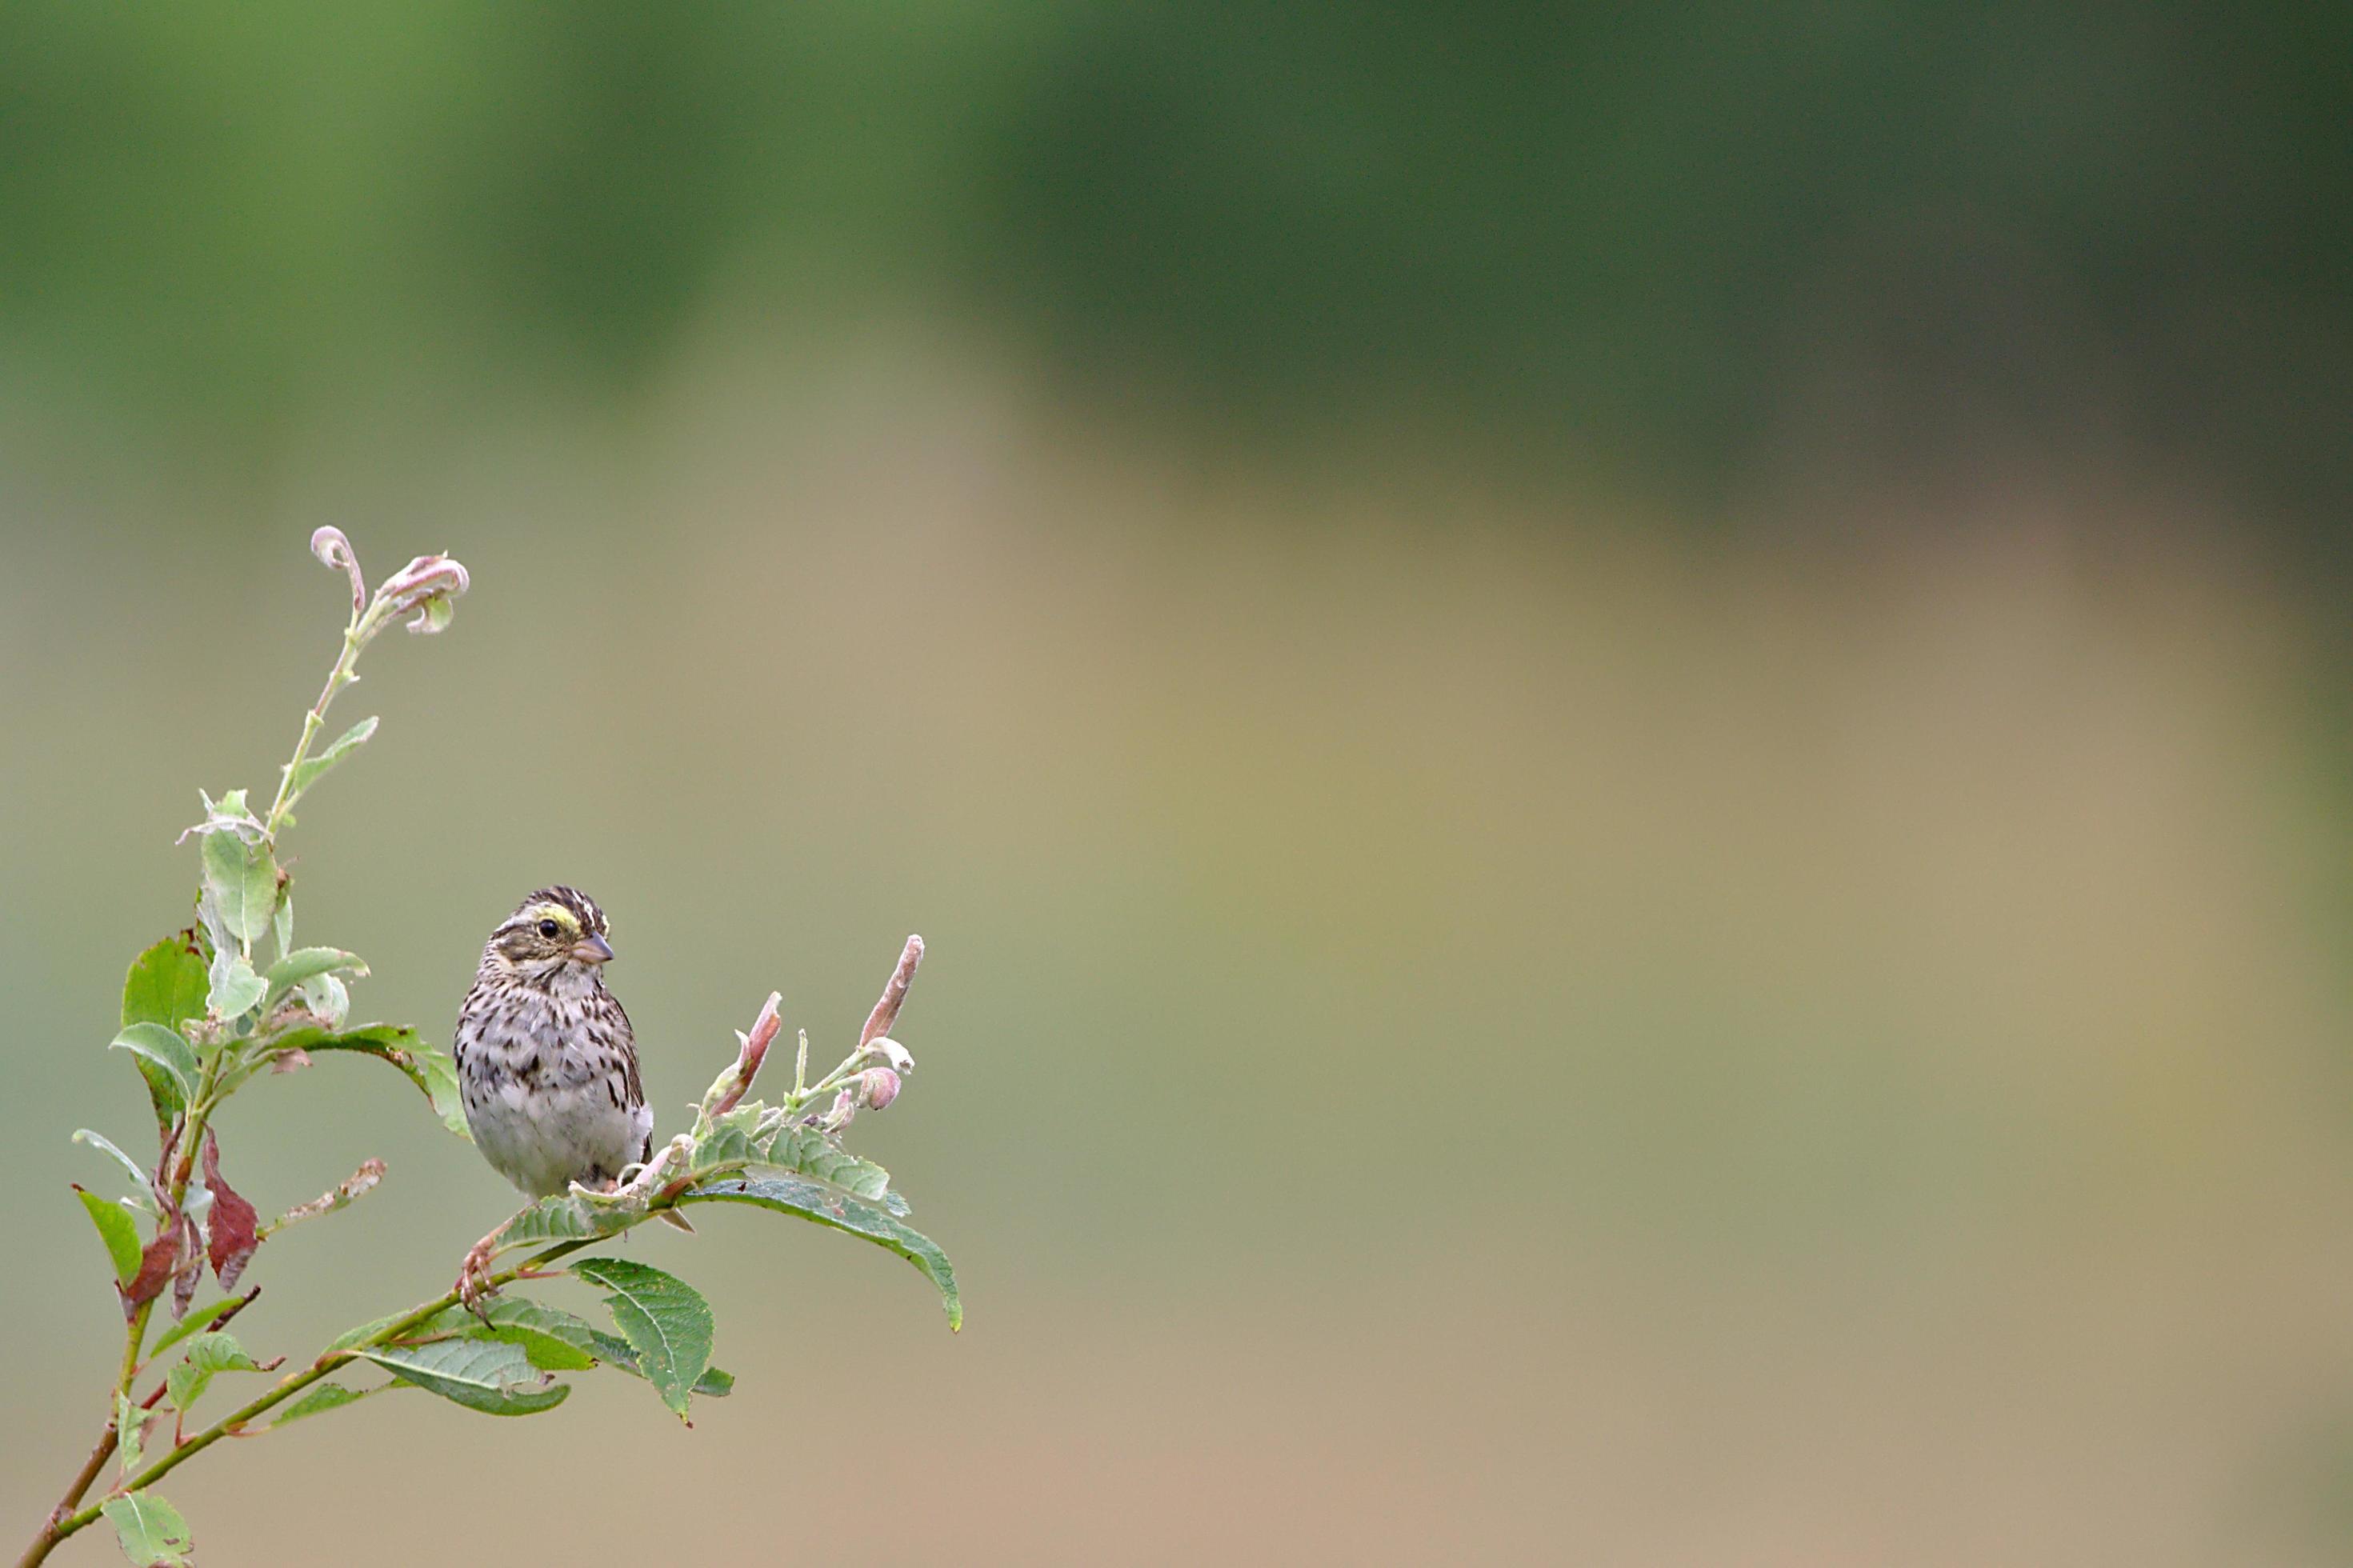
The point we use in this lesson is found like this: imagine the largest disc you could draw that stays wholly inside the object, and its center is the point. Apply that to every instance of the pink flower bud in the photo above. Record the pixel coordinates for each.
(877, 1088)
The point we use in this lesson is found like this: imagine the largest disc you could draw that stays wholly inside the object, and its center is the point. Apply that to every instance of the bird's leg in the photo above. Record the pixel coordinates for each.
(474, 1274)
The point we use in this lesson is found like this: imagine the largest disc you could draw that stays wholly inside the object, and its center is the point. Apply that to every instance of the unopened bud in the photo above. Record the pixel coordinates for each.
(877, 1088)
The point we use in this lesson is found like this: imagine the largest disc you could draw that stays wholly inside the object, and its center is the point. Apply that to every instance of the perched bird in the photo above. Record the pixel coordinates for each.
(546, 1062)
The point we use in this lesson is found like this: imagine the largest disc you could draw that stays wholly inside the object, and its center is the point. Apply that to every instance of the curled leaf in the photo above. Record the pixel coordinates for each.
(231, 1233)
(886, 1011)
(157, 1264)
(334, 550)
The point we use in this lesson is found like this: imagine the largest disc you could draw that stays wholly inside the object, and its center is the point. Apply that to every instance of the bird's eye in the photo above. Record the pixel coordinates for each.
(548, 928)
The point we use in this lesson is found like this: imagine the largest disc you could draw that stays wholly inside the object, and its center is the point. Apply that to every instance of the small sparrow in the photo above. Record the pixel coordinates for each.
(546, 1062)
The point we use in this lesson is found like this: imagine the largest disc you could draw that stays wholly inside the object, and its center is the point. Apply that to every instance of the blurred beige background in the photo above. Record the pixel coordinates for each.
(1749, 969)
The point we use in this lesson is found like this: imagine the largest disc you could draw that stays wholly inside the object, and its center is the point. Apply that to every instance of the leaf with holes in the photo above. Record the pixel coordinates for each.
(150, 1530)
(488, 1376)
(665, 1321)
(825, 1205)
(118, 1230)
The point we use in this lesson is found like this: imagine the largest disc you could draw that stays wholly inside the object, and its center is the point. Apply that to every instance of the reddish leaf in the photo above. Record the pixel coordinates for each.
(156, 1266)
(234, 1226)
(192, 1269)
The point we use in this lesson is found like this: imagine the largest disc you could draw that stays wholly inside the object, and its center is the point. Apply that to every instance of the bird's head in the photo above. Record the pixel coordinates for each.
(555, 930)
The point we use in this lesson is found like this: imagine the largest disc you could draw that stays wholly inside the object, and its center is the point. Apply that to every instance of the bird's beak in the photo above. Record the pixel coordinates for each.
(592, 950)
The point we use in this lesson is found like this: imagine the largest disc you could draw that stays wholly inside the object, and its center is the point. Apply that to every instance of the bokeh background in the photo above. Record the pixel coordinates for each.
(1623, 736)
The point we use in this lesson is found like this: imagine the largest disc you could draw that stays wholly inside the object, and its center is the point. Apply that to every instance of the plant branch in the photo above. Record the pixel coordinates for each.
(60, 1529)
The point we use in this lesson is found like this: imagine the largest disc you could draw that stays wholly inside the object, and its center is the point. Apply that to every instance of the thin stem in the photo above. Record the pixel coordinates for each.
(283, 1390)
(316, 718)
(134, 1336)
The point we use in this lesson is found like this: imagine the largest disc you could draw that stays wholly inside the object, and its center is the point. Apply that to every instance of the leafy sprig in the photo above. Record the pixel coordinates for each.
(217, 1005)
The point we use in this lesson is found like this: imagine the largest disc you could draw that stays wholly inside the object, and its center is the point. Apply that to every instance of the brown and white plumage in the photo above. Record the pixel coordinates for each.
(546, 1061)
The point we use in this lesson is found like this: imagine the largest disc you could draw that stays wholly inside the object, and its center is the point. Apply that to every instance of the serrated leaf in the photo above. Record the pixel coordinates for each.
(321, 1398)
(197, 1323)
(105, 1145)
(173, 1060)
(303, 964)
(428, 1066)
(242, 879)
(616, 1353)
(563, 1218)
(317, 763)
(664, 1318)
(490, 1375)
(553, 1338)
(118, 1230)
(235, 987)
(828, 1206)
(150, 1530)
(208, 1354)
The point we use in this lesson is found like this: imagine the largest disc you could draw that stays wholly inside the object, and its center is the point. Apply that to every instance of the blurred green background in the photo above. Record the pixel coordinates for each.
(1621, 735)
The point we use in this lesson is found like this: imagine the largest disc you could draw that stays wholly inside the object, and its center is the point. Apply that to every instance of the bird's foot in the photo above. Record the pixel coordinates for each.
(474, 1287)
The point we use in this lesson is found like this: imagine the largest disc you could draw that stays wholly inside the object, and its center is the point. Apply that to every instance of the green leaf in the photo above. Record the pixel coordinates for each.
(615, 1352)
(243, 880)
(324, 995)
(317, 763)
(235, 987)
(118, 1230)
(428, 1066)
(105, 1145)
(196, 1323)
(207, 1354)
(129, 1435)
(490, 1375)
(322, 1397)
(152, 1532)
(823, 1204)
(665, 1321)
(282, 923)
(553, 1338)
(307, 962)
(174, 1080)
(166, 986)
